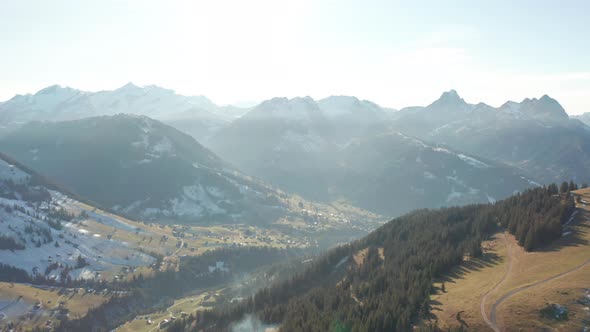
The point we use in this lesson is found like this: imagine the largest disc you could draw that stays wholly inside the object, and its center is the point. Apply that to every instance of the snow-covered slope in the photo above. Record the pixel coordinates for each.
(41, 234)
(194, 114)
(145, 169)
(394, 173)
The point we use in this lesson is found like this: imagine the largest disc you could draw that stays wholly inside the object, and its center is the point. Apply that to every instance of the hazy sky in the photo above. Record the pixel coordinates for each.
(394, 53)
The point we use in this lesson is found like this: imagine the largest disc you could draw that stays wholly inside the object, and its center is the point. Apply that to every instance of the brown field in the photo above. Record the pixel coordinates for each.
(519, 284)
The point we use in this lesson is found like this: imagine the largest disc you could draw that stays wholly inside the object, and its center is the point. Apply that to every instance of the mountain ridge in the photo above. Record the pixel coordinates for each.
(147, 170)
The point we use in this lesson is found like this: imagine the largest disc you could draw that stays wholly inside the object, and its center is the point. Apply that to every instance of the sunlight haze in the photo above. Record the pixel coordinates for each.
(242, 52)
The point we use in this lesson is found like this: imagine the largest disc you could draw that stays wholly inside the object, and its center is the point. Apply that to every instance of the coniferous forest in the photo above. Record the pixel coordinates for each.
(388, 290)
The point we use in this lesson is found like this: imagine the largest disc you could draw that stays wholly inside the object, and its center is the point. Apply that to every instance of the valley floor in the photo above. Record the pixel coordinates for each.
(507, 288)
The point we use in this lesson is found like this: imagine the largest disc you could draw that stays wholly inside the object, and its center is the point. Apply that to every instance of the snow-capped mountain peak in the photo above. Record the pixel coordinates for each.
(449, 99)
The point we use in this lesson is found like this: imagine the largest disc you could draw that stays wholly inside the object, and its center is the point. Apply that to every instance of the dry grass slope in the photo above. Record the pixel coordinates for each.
(556, 274)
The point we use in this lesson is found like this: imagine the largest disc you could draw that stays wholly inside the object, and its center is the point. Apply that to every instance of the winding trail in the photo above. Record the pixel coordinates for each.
(493, 316)
(492, 321)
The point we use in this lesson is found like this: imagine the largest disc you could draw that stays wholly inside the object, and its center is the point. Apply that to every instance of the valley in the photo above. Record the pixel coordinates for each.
(294, 166)
(67, 256)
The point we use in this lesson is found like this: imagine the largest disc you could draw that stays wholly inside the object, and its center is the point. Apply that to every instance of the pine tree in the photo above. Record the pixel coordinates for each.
(572, 186)
(564, 187)
(529, 242)
(552, 189)
(476, 249)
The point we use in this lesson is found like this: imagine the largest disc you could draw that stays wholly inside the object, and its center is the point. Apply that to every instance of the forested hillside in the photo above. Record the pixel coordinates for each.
(536, 217)
(383, 281)
(146, 170)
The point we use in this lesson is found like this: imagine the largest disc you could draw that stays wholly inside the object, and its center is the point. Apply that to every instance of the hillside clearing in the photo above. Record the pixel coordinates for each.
(554, 274)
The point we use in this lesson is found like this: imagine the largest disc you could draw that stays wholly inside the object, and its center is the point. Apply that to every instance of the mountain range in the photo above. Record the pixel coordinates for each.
(305, 146)
(146, 170)
(301, 145)
(337, 148)
(194, 114)
(138, 166)
(535, 135)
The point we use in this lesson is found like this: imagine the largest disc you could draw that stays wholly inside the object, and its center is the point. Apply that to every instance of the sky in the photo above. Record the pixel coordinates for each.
(395, 53)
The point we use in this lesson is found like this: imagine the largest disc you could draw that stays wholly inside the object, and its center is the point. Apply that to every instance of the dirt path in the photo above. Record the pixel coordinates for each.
(10, 304)
(493, 315)
(493, 318)
(492, 322)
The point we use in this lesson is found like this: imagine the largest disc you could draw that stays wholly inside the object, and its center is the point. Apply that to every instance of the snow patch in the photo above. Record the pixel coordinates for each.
(11, 172)
(472, 161)
(531, 182)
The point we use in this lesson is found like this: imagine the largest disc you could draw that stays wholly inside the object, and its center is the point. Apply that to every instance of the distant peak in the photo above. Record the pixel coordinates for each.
(276, 100)
(449, 98)
(129, 86)
(350, 99)
(49, 89)
(545, 107)
(57, 89)
(451, 93)
(306, 99)
(287, 101)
